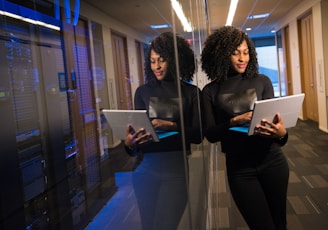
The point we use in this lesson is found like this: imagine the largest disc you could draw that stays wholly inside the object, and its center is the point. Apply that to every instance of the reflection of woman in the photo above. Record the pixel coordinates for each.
(256, 166)
(160, 181)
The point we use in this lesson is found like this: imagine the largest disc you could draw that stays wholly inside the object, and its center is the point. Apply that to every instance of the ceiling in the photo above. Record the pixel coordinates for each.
(140, 14)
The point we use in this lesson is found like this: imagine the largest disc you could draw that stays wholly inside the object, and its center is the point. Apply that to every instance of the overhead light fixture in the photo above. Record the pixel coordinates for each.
(160, 26)
(248, 29)
(32, 21)
(232, 11)
(179, 12)
(256, 16)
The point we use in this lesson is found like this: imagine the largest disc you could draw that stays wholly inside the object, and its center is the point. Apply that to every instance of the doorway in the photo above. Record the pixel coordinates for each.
(122, 73)
(308, 75)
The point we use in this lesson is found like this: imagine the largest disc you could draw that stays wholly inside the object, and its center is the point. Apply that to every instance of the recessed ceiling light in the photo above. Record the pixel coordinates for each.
(256, 16)
(248, 29)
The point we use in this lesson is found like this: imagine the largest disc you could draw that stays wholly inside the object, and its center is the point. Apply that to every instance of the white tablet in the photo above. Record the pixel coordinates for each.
(118, 120)
(288, 107)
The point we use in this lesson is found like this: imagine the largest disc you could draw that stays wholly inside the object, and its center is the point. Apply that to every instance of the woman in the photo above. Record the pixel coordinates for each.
(160, 180)
(256, 166)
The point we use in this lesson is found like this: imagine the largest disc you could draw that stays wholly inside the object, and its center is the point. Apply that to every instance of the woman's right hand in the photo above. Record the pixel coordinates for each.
(134, 138)
(164, 125)
(241, 119)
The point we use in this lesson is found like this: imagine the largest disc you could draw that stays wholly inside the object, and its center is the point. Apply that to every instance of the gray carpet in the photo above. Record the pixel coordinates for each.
(307, 204)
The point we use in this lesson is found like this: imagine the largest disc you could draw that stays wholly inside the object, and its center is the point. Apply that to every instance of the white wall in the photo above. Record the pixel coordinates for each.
(321, 77)
(324, 15)
(133, 65)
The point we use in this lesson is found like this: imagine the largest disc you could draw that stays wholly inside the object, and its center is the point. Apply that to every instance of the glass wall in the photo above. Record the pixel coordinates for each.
(62, 67)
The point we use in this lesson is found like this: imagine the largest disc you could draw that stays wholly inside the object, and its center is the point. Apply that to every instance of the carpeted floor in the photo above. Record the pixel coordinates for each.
(307, 204)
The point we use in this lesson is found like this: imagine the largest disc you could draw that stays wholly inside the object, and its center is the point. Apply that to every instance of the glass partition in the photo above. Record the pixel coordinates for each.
(64, 64)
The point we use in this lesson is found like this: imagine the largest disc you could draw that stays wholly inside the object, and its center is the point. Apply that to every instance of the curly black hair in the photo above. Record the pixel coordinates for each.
(218, 48)
(164, 46)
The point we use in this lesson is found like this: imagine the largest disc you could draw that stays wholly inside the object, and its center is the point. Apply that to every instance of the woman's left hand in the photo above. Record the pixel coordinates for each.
(272, 129)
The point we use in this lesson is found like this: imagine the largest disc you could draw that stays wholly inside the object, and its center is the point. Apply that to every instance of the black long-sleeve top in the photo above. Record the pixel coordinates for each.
(161, 101)
(223, 101)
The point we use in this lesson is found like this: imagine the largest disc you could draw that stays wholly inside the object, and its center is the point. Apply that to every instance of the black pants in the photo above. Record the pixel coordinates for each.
(260, 190)
(160, 188)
